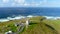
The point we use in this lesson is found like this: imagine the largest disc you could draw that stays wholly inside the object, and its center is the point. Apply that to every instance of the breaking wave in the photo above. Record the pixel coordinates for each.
(14, 18)
(52, 17)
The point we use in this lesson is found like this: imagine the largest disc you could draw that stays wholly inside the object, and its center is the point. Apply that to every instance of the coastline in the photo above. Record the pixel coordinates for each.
(15, 18)
(29, 16)
(52, 17)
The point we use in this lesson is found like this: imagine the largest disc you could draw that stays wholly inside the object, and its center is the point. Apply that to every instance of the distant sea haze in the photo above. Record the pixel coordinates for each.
(11, 12)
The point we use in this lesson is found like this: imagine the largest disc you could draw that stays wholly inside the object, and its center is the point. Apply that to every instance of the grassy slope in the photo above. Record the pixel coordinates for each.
(36, 26)
(54, 23)
(5, 26)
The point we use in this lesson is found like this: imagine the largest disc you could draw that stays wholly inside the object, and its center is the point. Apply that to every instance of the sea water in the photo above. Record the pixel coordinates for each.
(12, 13)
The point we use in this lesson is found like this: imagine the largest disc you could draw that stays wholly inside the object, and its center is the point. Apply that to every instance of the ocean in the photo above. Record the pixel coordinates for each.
(25, 11)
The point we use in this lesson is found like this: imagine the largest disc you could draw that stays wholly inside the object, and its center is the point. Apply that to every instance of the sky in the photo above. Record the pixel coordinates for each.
(29, 3)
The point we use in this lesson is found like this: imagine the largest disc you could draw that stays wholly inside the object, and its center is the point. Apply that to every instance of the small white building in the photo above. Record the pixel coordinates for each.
(27, 22)
(9, 32)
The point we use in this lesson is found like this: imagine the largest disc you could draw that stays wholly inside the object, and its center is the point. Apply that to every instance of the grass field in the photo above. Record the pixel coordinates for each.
(37, 26)
(54, 23)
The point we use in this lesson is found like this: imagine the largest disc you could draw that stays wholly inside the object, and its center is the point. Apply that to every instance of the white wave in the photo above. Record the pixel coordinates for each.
(4, 20)
(9, 18)
(20, 17)
(51, 17)
(16, 17)
(30, 16)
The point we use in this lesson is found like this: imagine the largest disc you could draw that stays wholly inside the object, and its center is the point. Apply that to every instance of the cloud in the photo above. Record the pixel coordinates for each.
(24, 3)
(5, 1)
(32, 3)
(50, 3)
(15, 3)
(20, 1)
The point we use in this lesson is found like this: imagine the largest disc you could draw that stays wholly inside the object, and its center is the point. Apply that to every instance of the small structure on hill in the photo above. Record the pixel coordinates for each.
(27, 23)
(19, 24)
(9, 32)
(23, 24)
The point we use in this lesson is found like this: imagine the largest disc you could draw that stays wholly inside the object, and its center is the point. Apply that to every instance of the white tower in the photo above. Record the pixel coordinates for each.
(27, 23)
